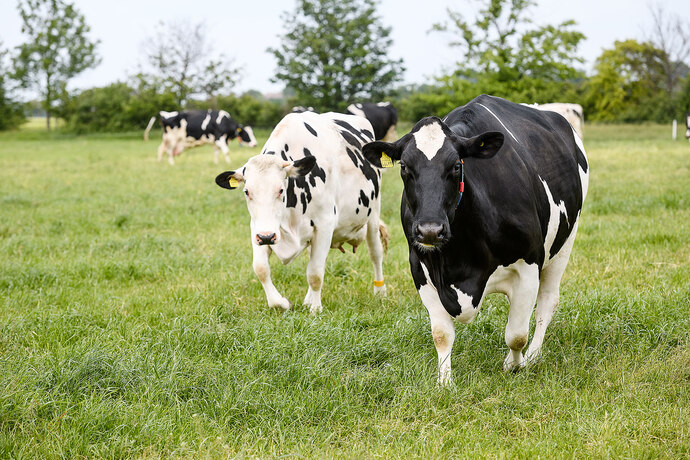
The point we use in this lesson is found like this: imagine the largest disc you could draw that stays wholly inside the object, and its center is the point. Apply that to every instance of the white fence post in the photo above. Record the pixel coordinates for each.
(675, 128)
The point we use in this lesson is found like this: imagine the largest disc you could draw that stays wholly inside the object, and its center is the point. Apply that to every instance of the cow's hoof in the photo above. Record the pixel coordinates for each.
(444, 381)
(531, 357)
(284, 304)
(380, 290)
(315, 310)
(514, 361)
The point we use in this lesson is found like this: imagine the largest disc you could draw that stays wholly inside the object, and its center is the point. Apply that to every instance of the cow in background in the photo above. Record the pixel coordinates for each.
(382, 116)
(571, 112)
(192, 128)
(687, 125)
(311, 188)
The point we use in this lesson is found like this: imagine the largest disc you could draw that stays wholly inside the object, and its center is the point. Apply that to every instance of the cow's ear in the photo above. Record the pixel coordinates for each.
(229, 179)
(301, 167)
(485, 145)
(383, 154)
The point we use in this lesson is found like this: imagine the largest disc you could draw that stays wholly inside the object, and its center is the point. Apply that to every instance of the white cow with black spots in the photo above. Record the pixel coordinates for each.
(311, 188)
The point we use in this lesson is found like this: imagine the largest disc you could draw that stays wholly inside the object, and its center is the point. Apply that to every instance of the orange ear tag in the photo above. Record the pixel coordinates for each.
(234, 183)
(386, 161)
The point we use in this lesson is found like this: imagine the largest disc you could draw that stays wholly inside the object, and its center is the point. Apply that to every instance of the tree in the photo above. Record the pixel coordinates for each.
(671, 35)
(628, 83)
(505, 57)
(334, 52)
(178, 56)
(58, 48)
(11, 110)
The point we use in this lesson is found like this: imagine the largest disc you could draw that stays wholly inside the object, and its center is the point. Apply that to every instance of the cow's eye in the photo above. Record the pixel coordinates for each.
(458, 166)
(280, 192)
(403, 168)
(246, 192)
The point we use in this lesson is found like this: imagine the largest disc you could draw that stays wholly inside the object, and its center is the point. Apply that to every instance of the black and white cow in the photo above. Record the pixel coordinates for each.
(491, 203)
(197, 127)
(382, 116)
(311, 188)
(687, 125)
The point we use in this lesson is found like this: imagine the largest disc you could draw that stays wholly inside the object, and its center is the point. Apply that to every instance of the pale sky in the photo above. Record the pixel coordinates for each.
(243, 30)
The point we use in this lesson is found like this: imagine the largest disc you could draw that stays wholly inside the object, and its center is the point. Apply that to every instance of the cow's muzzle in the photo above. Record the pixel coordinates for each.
(430, 234)
(265, 238)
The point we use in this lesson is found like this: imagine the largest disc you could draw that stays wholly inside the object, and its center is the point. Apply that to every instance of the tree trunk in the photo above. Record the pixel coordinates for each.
(48, 120)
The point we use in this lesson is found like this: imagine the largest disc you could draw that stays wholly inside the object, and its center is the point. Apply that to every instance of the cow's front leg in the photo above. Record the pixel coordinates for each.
(161, 149)
(222, 144)
(442, 330)
(523, 294)
(263, 272)
(320, 244)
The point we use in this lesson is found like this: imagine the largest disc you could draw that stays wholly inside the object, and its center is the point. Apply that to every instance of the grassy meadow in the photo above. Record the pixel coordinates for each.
(133, 326)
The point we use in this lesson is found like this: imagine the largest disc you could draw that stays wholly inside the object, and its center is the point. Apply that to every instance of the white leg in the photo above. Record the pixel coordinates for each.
(222, 144)
(161, 149)
(548, 297)
(376, 254)
(263, 272)
(522, 298)
(442, 330)
(320, 244)
(215, 155)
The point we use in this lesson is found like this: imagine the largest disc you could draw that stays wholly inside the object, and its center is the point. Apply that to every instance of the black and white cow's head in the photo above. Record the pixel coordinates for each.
(265, 179)
(246, 136)
(431, 167)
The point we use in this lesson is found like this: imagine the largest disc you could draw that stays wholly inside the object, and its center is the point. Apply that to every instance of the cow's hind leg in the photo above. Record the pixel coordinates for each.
(548, 297)
(263, 272)
(320, 244)
(522, 296)
(375, 230)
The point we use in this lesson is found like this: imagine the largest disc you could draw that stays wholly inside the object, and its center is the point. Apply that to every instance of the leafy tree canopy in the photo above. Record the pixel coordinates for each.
(57, 48)
(335, 52)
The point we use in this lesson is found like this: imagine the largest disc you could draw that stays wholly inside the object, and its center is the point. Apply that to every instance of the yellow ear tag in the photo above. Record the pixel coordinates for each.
(481, 145)
(386, 161)
(234, 183)
(239, 130)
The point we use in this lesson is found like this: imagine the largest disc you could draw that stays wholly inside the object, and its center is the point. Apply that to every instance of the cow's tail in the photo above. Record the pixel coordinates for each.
(385, 237)
(148, 128)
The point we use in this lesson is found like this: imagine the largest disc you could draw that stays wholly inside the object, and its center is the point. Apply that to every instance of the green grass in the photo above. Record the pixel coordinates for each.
(132, 325)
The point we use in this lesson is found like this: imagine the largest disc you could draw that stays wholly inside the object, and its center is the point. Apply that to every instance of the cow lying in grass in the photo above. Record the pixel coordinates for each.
(491, 203)
(311, 188)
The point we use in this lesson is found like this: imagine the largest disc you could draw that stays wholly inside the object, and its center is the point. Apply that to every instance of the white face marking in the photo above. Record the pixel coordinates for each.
(221, 115)
(252, 140)
(264, 177)
(499, 120)
(356, 109)
(207, 120)
(555, 211)
(165, 114)
(429, 139)
(383, 104)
